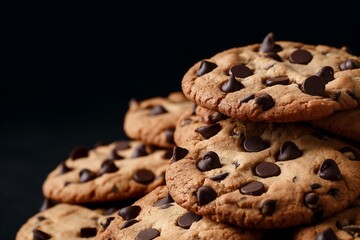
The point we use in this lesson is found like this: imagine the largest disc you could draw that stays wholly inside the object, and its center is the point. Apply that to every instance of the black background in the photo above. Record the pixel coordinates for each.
(69, 69)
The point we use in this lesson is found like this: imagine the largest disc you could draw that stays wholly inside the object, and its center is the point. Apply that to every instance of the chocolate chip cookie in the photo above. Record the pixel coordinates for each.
(157, 216)
(276, 81)
(153, 120)
(260, 174)
(120, 170)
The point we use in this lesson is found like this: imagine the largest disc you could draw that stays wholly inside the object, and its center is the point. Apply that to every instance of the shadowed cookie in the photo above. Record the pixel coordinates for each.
(342, 123)
(280, 81)
(261, 175)
(120, 170)
(153, 120)
(157, 216)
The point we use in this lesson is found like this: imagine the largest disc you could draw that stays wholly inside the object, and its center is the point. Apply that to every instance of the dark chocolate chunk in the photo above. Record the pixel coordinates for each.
(108, 166)
(205, 67)
(147, 234)
(216, 117)
(209, 130)
(268, 207)
(277, 81)
(107, 222)
(351, 153)
(167, 154)
(179, 153)
(169, 135)
(240, 71)
(255, 144)
(289, 151)
(79, 152)
(40, 235)
(267, 169)
(269, 45)
(311, 200)
(313, 85)
(220, 177)
(231, 85)
(205, 195)
(47, 203)
(86, 175)
(139, 151)
(144, 176)
(129, 212)
(254, 188)
(247, 98)
(186, 220)
(327, 234)
(88, 232)
(64, 168)
(326, 73)
(300, 56)
(41, 218)
(329, 170)
(210, 161)
(315, 186)
(274, 56)
(157, 110)
(333, 192)
(122, 145)
(265, 101)
(349, 64)
(128, 223)
(353, 230)
(167, 199)
(114, 155)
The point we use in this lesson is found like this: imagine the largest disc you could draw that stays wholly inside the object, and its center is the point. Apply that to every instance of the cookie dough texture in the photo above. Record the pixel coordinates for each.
(120, 170)
(158, 214)
(250, 84)
(153, 120)
(261, 175)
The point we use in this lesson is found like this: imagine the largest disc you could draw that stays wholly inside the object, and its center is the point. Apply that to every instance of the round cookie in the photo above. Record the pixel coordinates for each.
(156, 215)
(280, 81)
(63, 221)
(120, 170)
(261, 175)
(153, 120)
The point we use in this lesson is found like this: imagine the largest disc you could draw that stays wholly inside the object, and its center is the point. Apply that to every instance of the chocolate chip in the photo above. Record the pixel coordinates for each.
(167, 154)
(169, 135)
(273, 55)
(240, 71)
(205, 195)
(311, 200)
(128, 223)
(219, 177)
(327, 234)
(47, 203)
(254, 188)
(209, 130)
(333, 192)
(349, 64)
(144, 176)
(157, 110)
(265, 101)
(88, 232)
(353, 230)
(247, 98)
(289, 151)
(147, 234)
(269, 45)
(315, 186)
(255, 144)
(129, 212)
(165, 200)
(108, 166)
(326, 73)
(205, 67)
(216, 117)
(41, 218)
(79, 152)
(300, 56)
(313, 85)
(107, 222)
(139, 151)
(268, 207)
(267, 169)
(210, 161)
(187, 219)
(114, 155)
(122, 145)
(329, 170)
(276, 81)
(64, 168)
(40, 235)
(231, 85)
(179, 153)
(351, 153)
(86, 175)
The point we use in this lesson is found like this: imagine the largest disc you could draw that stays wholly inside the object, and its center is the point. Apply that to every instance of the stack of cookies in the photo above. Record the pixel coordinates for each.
(261, 143)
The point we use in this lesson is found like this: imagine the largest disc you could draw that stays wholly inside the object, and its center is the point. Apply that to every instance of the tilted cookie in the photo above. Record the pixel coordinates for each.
(120, 170)
(153, 120)
(261, 175)
(157, 216)
(280, 81)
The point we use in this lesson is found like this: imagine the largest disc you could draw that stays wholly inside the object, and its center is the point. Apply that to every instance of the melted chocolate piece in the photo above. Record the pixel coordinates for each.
(269, 45)
(107, 222)
(326, 73)
(277, 81)
(314, 85)
(247, 98)
(209, 130)
(254, 188)
(289, 151)
(210, 161)
(88, 232)
(122, 145)
(79, 152)
(255, 144)
(300, 56)
(140, 151)
(167, 199)
(108, 166)
(40, 235)
(265, 101)
(144, 176)
(205, 67)
(147, 234)
(157, 110)
(86, 175)
(267, 169)
(349, 64)
(240, 71)
(129, 212)
(268, 207)
(169, 135)
(64, 168)
(128, 223)
(312, 200)
(329, 170)
(231, 85)
(114, 155)
(187, 219)
(220, 177)
(205, 195)
(179, 153)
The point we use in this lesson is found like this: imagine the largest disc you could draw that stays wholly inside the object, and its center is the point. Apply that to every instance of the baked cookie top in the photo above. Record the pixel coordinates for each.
(261, 175)
(153, 120)
(281, 81)
(157, 216)
(120, 170)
